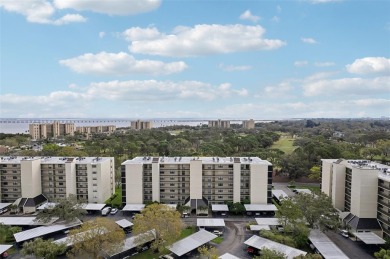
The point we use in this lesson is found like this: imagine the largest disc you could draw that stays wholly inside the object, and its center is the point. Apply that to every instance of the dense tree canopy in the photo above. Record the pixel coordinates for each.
(46, 249)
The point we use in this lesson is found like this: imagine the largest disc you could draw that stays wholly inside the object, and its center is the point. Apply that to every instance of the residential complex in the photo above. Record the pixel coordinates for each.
(248, 124)
(196, 180)
(96, 129)
(219, 124)
(90, 178)
(51, 130)
(361, 188)
(140, 125)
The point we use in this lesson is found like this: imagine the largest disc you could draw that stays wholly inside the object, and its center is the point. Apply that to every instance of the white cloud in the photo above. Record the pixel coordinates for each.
(346, 86)
(137, 34)
(203, 40)
(116, 7)
(121, 63)
(370, 65)
(102, 34)
(247, 15)
(231, 68)
(281, 90)
(309, 40)
(301, 63)
(39, 11)
(324, 64)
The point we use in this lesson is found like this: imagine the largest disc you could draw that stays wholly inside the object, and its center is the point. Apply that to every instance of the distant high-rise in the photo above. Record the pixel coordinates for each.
(139, 125)
(51, 130)
(248, 124)
(219, 124)
(96, 129)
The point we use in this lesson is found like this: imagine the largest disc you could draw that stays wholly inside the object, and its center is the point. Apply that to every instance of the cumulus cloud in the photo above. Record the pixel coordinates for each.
(121, 63)
(247, 15)
(231, 68)
(117, 7)
(39, 11)
(301, 63)
(308, 40)
(370, 65)
(200, 40)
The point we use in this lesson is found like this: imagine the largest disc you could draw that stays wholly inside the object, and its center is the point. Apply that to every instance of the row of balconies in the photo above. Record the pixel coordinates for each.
(11, 184)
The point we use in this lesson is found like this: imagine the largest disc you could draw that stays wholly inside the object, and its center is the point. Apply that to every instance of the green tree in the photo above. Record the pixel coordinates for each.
(163, 220)
(236, 208)
(7, 233)
(67, 209)
(308, 256)
(271, 254)
(382, 254)
(315, 173)
(43, 248)
(209, 252)
(94, 237)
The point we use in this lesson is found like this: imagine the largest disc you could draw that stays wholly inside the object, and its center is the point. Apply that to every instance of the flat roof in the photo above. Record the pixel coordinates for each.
(219, 207)
(93, 206)
(260, 243)
(205, 160)
(259, 227)
(370, 238)
(43, 230)
(210, 222)
(260, 207)
(191, 242)
(4, 248)
(279, 193)
(48, 205)
(4, 205)
(24, 221)
(267, 221)
(228, 256)
(130, 242)
(133, 207)
(325, 246)
(124, 223)
(53, 159)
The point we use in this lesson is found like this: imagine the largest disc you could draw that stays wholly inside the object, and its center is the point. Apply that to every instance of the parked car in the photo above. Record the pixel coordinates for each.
(344, 233)
(165, 257)
(106, 211)
(114, 211)
(185, 215)
(217, 232)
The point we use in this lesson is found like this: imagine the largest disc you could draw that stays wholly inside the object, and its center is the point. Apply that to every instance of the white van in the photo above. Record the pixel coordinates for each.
(106, 211)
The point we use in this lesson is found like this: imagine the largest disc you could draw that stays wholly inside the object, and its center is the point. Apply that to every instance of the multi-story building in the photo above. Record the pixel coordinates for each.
(361, 188)
(189, 180)
(219, 124)
(140, 125)
(51, 130)
(96, 129)
(248, 124)
(90, 178)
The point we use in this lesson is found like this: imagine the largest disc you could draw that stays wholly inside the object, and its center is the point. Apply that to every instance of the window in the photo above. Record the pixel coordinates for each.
(61, 190)
(172, 172)
(220, 184)
(172, 184)
(220, 197)
(14, 177)
(220, 190)
(93, 166)
(94, 172)
(14, 165)
(172, 178)
(14, 172)
(172, 196)
(172, 190)
(15, 183)
(61, 177)
(94, 190)
(60, 183)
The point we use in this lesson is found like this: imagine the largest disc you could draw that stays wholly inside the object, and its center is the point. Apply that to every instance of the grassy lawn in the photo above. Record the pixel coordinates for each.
(217, 240)
(314, 189)
(285, 143)
(186, 232)
(117, 201)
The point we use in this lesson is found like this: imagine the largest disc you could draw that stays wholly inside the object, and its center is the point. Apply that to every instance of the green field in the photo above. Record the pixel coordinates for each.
(285, 143)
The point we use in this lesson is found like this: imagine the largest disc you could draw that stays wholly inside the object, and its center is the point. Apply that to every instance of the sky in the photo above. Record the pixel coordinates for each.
(236, 59)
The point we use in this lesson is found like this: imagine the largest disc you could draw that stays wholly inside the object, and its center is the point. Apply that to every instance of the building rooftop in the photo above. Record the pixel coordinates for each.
(191, 242)
(327, 248)
(205, 160)
(52, 159)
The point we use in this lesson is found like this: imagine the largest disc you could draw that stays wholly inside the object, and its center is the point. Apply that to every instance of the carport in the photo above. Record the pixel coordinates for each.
(3, 207)
(211, 224)
(260, 209)
(47, 205)
(259, 227)
(228, 256)
(25, 221)
(133, 208)
(370, 238)
(93, 208)
(325, 246)
(3, 249)
(279, 195)
(124, 224)
(219, 209)
(191, 242)
(261, 243)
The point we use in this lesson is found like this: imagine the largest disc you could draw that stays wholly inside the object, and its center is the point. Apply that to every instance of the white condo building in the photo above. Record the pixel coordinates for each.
(196, 180)
(90, 178)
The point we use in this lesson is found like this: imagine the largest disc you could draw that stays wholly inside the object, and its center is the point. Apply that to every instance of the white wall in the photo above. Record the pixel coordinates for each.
(326, 176)
(364, 192)
(156, 182)
(70, 176)
(258, 183)
(196, 179)
(31, 178)
(338, 186)
(134, 189)
(106, 177)
(236, 182)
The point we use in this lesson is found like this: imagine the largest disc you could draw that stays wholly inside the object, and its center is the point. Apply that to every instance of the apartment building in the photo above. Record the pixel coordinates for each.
(51, 130)
(202, 180)
(361, 188)
(96, 129)
(248, 124)
(140, 125)
(219, 124)
(90, 178)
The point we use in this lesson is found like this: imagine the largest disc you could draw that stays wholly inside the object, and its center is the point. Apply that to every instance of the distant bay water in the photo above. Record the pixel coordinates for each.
(17, 125)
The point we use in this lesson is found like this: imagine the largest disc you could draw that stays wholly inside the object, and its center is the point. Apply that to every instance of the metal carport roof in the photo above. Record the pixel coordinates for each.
(261, 243)
(228, 256)
(267, 221)
(124, 223)
(133, 207)
(4, 205)
(219, 207)
(47, 205)
(279, 193)
(43, 230)
(370, 238)
(260, 207)
(4, 248)
(325, 246)
(25, 221)
(259, 227)
(93, 206)
(191, 242)
(210, 222)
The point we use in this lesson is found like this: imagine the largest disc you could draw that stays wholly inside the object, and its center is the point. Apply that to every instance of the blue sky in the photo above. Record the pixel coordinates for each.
(194, 59)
